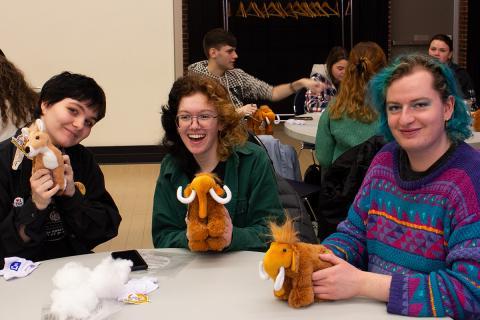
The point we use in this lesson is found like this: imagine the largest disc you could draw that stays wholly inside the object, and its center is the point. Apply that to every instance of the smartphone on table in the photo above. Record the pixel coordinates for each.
(132, 255)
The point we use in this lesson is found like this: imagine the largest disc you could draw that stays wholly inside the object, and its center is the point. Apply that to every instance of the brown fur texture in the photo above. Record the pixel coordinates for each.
(299, 260)
(476, 120)
(257, 122)
(206, 231)
(44, 154)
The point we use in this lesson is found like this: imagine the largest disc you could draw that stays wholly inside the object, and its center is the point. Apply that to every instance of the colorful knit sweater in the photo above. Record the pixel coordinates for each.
(425, 233)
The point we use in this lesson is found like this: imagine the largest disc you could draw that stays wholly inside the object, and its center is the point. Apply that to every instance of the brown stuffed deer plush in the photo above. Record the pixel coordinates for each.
(206, 215)
(44, 154)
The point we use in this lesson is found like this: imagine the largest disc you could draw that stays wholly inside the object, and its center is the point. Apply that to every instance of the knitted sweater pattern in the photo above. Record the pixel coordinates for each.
(425, 233)
(335, 137)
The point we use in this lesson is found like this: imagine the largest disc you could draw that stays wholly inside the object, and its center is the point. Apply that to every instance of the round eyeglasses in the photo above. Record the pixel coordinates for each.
(185, 120)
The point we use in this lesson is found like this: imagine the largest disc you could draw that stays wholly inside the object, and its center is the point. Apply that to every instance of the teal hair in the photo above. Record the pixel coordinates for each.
(445, 83)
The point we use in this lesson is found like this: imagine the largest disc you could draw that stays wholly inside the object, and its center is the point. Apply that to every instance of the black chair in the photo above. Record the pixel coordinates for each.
(306, 192)
(299, 102)
(294, 196)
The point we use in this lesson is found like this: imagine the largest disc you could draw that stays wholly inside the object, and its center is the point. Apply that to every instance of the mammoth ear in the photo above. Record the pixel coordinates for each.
(40, 125)
(295, 259)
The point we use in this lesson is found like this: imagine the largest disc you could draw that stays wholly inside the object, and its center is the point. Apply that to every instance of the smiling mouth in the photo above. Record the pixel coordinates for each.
(71, 133)
(409, 132)
(196, 137)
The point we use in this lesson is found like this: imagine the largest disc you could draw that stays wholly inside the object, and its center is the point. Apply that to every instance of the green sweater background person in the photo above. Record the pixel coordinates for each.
(349, 120)
(203, 133)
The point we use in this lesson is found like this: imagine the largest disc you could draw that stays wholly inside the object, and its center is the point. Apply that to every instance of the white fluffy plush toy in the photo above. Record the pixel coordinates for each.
(79, 290)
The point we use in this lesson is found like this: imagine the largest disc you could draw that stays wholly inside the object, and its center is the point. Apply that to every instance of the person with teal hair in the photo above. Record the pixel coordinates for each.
(458, 128)
(411, 237)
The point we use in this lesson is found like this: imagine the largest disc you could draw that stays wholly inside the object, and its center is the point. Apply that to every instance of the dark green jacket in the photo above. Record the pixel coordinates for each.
(255, 200)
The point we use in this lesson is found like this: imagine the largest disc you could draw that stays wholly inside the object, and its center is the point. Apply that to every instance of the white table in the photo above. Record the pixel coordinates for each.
(308, 131)
(195, 286)
(305, 132)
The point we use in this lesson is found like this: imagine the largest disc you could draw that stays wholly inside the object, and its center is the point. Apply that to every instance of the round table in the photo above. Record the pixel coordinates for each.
(191, 286)
(308, 131)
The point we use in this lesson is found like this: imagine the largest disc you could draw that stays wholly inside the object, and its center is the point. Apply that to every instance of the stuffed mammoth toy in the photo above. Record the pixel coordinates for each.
(291, 264)
(207, 216)
(262, 121)
(476, 120)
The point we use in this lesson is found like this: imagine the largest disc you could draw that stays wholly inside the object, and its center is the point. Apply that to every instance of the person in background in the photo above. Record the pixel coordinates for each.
(441, 47)
(35, 223)
(203, 134)
(220, 49)
(350, 119)
(330, 74)
(17, 99)
(411, 236)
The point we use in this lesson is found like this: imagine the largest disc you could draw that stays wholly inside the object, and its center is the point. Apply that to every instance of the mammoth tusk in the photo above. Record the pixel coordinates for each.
(217, 198)
(279, 279)
(185, 200)
(277, 119)
(261, 272)
(267, 121)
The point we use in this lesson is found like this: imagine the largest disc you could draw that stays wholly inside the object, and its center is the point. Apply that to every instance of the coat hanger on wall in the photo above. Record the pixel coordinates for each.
(317, 8)
(274, 11)
(253, 10)
(241, 10)
(348, 10)
(299, 10)
(332, 11)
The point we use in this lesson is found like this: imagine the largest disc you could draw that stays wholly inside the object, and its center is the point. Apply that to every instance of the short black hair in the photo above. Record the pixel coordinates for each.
(443, 37)
(216, 38)
(74, 86)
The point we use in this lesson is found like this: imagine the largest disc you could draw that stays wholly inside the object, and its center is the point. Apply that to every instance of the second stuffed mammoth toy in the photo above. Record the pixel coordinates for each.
(291, 264)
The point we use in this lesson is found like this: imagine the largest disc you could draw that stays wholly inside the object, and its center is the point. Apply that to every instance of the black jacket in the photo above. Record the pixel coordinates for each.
(69, 226)
(463, 79)
(341, 183)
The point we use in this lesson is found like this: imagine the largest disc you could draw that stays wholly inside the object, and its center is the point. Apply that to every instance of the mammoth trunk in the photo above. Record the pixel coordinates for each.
(202, 205)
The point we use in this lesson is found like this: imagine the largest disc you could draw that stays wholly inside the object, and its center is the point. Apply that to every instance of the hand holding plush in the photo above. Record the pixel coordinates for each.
(207, 218)
(44, 154)
(291, 263)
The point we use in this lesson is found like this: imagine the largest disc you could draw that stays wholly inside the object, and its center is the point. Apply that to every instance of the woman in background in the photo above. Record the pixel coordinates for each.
(349, 119)
(330, 74)
(17, 99)
(441, 47)
(411, 236)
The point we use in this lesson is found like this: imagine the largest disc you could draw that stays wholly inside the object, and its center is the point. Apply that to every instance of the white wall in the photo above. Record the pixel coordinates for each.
(127, 46)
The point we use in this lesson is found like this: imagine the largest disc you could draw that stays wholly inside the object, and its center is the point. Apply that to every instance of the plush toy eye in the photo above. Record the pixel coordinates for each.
(37, 137)
(284, 250)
